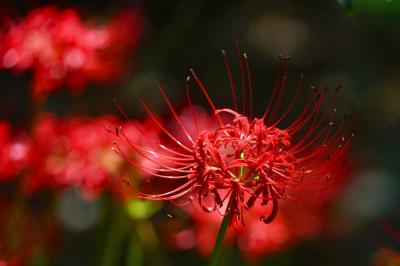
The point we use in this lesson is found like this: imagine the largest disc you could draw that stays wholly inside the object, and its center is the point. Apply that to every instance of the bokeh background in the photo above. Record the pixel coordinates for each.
(350, 43)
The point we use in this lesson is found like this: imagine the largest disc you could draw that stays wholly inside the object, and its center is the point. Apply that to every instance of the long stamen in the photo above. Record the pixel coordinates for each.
(146, 108)
(203, 89)
(274, 90)
(280, 94)
(250, 85)
(243, 79)
(178, 120)
(231, 85)
(189, 99)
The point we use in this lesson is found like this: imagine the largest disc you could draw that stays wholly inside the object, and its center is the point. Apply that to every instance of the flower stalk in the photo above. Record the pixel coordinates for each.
(220, 238)
(115, 237)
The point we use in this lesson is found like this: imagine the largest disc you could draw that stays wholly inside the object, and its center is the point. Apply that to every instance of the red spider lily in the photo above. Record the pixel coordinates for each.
(14, 152)
(67, 152)
(60, 49)
(245, 160)
(75, 152)
(71, 152)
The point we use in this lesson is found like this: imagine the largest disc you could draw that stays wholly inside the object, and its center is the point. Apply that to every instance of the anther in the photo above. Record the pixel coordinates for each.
(126, 181)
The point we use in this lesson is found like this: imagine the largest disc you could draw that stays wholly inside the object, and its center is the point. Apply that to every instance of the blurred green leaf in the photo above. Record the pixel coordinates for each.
(142, 209)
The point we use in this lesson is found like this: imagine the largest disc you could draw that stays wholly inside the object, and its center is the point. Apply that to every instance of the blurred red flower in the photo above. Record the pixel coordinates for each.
(292, 225)
(14, 152)
(72, 152)
(245, 161)
(69, 152)
(61, 49)
(77, 152)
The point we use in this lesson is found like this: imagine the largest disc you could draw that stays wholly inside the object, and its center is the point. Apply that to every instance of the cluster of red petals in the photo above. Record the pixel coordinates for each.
(72, 152)
(66, 152)
(255, 162)
(245, 161)
(62, 50)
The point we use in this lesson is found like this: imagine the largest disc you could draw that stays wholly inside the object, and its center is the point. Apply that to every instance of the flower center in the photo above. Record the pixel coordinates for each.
(244, 152)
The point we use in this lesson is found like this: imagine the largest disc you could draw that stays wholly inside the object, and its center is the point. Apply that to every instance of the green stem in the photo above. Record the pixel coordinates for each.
(135, 250)
(114, 238)
(216, 254)
(220, 237)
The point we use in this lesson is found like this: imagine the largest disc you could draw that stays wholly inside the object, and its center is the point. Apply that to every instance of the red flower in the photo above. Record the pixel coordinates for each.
(14, 152)
(61, 49)
(76, 152)
(245, 160)
(72, 152)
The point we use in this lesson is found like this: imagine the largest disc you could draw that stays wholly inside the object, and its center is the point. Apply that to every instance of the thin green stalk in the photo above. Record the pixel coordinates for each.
(135, 250)
(114, 238)
(215, 257)
(216, 254)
